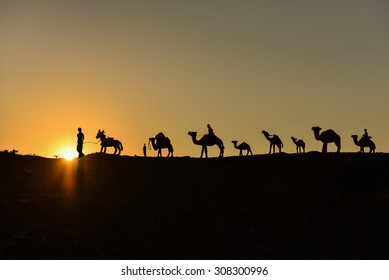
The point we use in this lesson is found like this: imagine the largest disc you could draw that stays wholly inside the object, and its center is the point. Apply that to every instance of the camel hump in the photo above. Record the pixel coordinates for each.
(330, 131)
(160, 137)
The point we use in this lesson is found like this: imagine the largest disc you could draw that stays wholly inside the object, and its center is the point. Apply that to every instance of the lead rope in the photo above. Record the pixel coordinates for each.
(89, 142)
(149, 145)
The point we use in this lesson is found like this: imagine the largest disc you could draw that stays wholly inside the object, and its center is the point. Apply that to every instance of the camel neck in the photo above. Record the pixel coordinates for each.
(195, 141)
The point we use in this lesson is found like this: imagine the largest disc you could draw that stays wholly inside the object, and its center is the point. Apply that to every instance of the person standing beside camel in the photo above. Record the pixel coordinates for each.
(80, 142)
(144, 150)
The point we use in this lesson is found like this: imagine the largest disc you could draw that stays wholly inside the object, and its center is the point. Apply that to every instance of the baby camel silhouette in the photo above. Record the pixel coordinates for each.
(328, 136)
(364, 142)
(274, 141)
(300, 145)
(242, 146)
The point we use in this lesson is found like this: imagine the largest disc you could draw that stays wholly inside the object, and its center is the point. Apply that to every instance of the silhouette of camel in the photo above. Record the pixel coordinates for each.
(242, 146)
(364, 142)
(274, 141)
(300, 145)
(207, 140)
(108, 142)
(161, 142)
(328, 136)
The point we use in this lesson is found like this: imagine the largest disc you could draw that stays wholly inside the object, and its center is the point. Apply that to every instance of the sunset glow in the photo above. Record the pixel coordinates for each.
(137, 68)
(68, 154)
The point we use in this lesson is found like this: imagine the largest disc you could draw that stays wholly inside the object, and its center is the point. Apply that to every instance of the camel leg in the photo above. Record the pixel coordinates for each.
(324, 150)
(338, 150)
(241, 152)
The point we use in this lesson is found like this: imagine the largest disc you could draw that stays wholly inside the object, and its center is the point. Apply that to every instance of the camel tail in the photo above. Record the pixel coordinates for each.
(121, 146)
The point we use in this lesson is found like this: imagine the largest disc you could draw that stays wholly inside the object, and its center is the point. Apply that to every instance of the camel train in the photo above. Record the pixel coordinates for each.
(160, 141)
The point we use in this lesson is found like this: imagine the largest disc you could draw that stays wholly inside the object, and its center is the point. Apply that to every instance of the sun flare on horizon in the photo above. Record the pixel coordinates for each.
(68, 154)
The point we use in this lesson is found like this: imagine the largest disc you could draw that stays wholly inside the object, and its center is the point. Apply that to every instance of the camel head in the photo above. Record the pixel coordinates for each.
(354, 137)
(234, 141)
(294, 139)
(265, 132)
(316, 128)
(192, 133)
(152, 140)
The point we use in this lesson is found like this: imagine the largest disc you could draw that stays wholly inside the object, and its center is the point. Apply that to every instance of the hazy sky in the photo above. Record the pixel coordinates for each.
(135, 68)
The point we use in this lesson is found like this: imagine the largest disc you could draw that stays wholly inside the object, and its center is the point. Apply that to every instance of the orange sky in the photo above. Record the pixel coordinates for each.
(135, 68)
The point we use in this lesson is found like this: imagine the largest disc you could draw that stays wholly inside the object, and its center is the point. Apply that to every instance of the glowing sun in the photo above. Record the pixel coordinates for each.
(68, 153)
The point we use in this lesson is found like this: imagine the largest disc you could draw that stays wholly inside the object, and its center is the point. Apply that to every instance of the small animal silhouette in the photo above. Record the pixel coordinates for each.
(108, 142)
(242, 146)
(300, 145)
(328, 136)
(364, 142)
(274, 141)
(205, 141)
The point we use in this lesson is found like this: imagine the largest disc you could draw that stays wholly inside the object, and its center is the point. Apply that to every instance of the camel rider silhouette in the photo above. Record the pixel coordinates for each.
(365, 134)
(210, 130)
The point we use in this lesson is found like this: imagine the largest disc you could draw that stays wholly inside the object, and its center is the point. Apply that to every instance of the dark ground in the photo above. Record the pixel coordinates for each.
(308, 206)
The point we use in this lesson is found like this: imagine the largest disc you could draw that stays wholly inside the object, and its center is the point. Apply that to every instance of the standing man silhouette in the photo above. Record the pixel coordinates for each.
(144, 150)
(80, 142)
